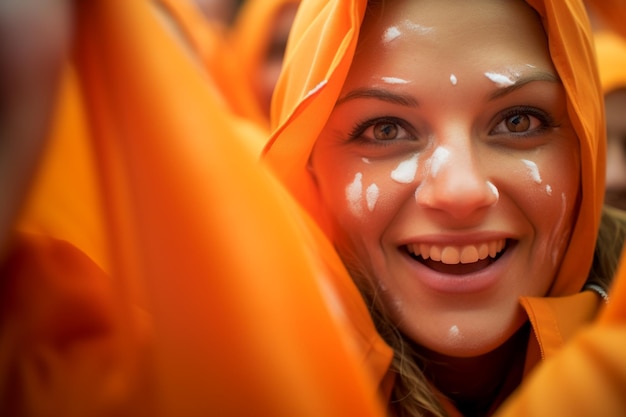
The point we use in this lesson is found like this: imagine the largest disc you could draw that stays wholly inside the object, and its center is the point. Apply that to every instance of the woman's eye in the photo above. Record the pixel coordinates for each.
(520, 122)
(382, 130)
(385, 131)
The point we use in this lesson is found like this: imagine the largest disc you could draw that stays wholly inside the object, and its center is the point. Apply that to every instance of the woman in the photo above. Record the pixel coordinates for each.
(430, 140)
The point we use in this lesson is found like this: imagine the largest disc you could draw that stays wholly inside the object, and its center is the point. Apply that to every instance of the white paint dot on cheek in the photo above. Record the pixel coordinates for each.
(391, 34)
(533, 170)
(438, 159)
(548, 189)
(354, 194)
(453, 79)
(494, 190)
(500, 80)
(454, 332)
(394, 80)
(405, 171)
(371, 196)
(366, 160)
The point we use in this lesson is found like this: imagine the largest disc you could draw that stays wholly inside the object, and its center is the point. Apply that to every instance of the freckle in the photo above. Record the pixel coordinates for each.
(371, 196)
(405, 171)
(453, 79)
(533, 170)
(354, 194)
(548, 189)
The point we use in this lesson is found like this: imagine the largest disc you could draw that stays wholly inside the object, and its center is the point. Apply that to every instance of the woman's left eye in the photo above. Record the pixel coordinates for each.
(521, 121)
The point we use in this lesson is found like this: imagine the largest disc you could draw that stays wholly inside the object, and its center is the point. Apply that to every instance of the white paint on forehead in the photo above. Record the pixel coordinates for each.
(548, 189)
(533, 170)
(494, 190)
(390, 34)
(500, 80)
(394, 80)
(371, 196)
(405, 171)
(354, 194)
(453, 79)
(438, 159)
(315, 89)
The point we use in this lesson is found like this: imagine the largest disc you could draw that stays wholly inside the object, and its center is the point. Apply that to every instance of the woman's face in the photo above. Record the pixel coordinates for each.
(450, 169)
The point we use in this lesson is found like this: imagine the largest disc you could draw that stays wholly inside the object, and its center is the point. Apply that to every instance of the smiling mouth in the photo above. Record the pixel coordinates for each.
(458, 260)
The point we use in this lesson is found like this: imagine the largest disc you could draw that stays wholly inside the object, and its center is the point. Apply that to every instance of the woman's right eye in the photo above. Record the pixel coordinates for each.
(381, 130)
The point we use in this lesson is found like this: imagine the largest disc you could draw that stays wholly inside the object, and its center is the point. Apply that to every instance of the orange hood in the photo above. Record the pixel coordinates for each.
(321, 48)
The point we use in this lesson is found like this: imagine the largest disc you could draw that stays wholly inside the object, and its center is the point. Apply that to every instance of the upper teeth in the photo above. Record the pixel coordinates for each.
(465, 254)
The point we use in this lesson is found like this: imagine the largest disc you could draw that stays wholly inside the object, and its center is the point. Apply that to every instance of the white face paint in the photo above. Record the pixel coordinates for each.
(371, 196)
(454, 332)
(394, 80)
(366, 160)
(533, 170)
(548, 189)
(494, 190)
(438, 159)
(390, 34)
(405, 171)
(453, 79)
(354, 194)
(500, 80)
(417, 28)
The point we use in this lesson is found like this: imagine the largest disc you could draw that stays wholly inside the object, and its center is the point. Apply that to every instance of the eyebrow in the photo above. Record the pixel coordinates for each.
(522, 81)
(379, 94)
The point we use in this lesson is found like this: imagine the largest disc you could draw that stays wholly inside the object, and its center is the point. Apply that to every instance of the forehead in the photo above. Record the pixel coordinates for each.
(433, 34)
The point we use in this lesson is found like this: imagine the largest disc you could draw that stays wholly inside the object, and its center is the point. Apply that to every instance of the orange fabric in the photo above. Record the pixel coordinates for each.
(611, 52)
(588, 376)
(221, 64)
(253, 313)
(250, 36)
(64, 202)
(612, 13)
(62, 348)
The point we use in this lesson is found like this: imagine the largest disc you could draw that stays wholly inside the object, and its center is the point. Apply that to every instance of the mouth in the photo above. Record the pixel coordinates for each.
(458, 260)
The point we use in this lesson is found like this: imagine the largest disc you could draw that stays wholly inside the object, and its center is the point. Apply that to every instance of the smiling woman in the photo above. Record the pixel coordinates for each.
(447, 157)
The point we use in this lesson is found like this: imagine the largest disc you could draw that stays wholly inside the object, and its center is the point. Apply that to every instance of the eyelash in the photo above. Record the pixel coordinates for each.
(359, 129)
(545, 120)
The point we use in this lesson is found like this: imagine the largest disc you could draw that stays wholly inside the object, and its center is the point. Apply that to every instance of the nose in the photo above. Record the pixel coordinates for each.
(454, 183)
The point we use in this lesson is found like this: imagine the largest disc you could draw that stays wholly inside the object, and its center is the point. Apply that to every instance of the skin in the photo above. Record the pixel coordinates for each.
(476, 110)
(615, 105)
(34, 41)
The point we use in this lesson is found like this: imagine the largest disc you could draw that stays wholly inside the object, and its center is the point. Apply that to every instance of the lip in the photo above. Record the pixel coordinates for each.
(473, 281)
